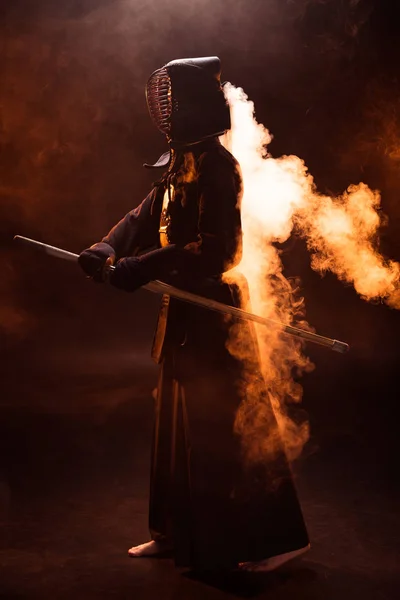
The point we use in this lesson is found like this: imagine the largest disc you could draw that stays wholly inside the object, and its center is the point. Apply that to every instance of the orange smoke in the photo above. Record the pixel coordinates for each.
(280, 195)
(341, 233)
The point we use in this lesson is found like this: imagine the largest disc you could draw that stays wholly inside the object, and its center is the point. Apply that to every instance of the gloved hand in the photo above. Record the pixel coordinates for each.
(130, 274)
(95, 259)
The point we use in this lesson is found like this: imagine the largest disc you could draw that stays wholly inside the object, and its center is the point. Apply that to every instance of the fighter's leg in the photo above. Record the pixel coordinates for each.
(160, 470)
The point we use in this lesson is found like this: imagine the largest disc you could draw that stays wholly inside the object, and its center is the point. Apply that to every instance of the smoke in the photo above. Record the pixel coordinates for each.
(74, 128)
(341, 233)
(73, 123)
(342, 237)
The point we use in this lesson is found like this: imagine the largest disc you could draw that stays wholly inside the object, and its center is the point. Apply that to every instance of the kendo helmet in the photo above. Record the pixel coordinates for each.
(186, 101)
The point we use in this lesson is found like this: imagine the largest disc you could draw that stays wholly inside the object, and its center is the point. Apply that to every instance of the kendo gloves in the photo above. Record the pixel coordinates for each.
(133, 272)
(95, 259)
(129, 274)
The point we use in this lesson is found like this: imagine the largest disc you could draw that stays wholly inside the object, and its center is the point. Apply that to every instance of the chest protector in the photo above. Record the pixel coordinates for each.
(165, 218)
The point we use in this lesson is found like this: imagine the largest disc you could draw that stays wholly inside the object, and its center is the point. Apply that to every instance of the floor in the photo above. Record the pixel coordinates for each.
(73, 498)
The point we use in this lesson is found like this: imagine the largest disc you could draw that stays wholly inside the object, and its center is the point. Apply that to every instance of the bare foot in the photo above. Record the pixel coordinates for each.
(149, 549)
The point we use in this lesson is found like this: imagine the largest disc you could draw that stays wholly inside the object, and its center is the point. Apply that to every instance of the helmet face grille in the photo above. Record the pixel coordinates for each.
(159, 99)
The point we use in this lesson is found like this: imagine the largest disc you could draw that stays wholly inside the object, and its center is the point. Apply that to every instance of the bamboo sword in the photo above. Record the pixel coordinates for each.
(159, 287)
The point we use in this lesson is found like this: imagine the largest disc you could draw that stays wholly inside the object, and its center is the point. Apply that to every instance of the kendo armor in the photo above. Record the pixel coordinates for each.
(186, 101)
(165, 217)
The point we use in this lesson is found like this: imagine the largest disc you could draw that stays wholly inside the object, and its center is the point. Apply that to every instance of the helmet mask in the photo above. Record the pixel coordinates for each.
(186, 101)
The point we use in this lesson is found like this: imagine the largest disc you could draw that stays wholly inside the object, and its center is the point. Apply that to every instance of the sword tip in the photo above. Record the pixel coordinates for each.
(341, 347)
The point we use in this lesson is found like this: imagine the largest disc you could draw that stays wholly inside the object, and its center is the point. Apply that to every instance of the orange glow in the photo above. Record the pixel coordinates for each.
(340, 234)
(280, 195)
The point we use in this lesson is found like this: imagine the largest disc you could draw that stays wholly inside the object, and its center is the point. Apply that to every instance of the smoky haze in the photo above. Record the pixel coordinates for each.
(74, 124)
(74, 133)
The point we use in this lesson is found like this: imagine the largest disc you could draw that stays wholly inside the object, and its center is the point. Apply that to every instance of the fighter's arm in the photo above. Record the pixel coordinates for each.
(128, 237)
(136, 231)
(218, 243)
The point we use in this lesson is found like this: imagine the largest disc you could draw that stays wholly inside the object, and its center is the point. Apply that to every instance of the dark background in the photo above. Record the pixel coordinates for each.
(74, 131)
